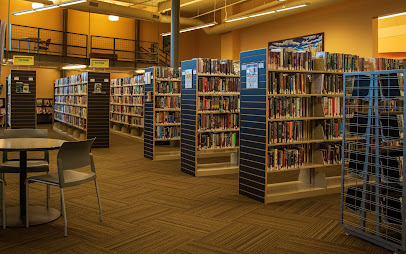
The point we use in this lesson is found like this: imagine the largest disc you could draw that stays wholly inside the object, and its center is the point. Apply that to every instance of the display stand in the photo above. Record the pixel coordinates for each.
(127, 106)
(162, 113)
(210, 117)
(373, 185)
(45, 110)
(21, 94)
(82, 107)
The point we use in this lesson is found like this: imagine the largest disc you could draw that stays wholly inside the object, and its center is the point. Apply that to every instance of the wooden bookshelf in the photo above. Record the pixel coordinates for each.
(307, 129)
(162, 113)
(82, 107)
(21, 99)
(127, 106)
(196, 111)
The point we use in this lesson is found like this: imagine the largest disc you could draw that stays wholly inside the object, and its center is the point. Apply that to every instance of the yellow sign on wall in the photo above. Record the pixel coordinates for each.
(23, 60)
(99, 63)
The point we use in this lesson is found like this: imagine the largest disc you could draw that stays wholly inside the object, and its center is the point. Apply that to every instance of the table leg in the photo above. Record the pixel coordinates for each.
(18, 45)
(23, 177)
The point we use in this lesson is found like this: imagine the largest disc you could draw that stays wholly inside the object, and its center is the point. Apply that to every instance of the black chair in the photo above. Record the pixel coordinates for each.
(33, 165)
(44, 45)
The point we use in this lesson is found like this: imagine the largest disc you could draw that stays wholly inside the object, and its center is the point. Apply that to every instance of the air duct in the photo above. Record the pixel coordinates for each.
(227, 27)
(122, 11)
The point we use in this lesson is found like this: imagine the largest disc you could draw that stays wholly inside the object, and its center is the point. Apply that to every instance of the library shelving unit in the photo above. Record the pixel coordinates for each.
(127, 106)
(291, 129)
(21, 94)
(373, 187)
(82, 107)
(162, 113)
(210, 117)
(45, 110)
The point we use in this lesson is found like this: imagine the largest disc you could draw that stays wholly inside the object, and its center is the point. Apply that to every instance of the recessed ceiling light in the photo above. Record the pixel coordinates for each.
(113, 18)
(78, 66)
(37, 5)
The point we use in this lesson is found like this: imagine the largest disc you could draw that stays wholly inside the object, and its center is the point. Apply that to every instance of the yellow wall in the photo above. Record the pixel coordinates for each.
(78, 22)
(347, 26)
(392, 34)
(45, 80)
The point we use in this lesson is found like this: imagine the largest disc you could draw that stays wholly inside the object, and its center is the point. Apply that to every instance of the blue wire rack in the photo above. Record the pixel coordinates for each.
(373, 165)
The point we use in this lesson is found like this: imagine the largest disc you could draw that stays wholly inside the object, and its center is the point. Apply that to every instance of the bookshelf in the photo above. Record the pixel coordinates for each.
(162, 113)
(45, 109)
(82, 107)
(20, 101)
(210, 117)
(127, 106)
(291, 129)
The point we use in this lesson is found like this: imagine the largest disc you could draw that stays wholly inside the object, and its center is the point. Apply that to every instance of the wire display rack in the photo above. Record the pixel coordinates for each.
(373, 165)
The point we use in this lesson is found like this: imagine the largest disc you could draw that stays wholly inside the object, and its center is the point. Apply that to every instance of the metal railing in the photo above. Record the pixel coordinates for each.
(124, 49)
(44, 41)
(47, 41)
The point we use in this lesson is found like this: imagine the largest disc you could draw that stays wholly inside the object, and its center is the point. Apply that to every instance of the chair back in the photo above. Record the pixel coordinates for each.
(26, 133)
(47, 42)
(74, 155)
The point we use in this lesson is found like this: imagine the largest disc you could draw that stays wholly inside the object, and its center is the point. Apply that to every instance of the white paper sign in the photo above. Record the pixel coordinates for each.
(188, 78)
(147, 78)
(261, 65)
(183, 73)
(30, 79)
(252, 75)
(92, 80)
(243, 67)
(106, 80)
(16, 78)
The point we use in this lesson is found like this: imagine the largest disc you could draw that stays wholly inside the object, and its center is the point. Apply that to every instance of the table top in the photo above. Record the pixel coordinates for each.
(30, 144)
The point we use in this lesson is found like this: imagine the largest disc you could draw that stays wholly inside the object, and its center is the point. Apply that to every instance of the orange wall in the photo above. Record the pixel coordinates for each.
(51, 19)
(78, 22)
(347, 26)
(45, 80)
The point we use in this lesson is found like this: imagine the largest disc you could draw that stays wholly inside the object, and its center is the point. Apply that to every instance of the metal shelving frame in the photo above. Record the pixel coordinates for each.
(373, 185)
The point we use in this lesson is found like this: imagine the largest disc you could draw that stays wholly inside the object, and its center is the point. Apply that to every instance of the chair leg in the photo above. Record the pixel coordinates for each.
(64, 214)
(27, 221)
(48, 187)
(3, 189)
(98, 199)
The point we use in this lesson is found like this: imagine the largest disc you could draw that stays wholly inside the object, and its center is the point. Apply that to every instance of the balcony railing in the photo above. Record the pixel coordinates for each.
(43, 41)
(124, 49)
(47, 41)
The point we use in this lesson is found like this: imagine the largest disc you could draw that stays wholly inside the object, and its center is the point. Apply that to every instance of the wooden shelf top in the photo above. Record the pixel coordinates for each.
(166, 139)
(218, 75)
(167, 109)
(167, 94)
(71, 104)
(306, 71)
(167, 124)
(218, 130)
(127, 114)
(307, 95)
(129, 124)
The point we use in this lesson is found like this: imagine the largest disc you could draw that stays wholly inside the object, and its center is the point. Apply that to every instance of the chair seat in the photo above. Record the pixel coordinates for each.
(72, 178)
(32, 166)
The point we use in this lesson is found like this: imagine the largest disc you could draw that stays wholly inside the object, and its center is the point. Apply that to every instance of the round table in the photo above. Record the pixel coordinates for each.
(15, 216)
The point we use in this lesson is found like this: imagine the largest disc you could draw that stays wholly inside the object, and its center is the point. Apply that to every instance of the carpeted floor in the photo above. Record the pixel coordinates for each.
(151, 207)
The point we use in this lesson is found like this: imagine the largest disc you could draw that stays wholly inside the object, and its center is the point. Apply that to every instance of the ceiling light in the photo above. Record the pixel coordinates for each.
(392, 15)
(37, 5)
(113, 18)
(70, 67)
(291, 8)
(140, 71)
(192, 28)
(48, 7)
(23, 12)
(72, 2)
(236, 19)
(261, 14)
